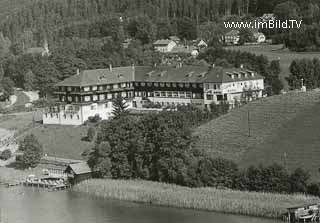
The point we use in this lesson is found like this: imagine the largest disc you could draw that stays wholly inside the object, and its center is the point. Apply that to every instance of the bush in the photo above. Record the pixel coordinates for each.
(6, 154)
(94, 119)
(91, 134)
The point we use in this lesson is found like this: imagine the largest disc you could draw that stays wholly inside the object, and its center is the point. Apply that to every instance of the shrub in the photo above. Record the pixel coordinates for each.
(6, 154)
(94, 119)
(91, 134)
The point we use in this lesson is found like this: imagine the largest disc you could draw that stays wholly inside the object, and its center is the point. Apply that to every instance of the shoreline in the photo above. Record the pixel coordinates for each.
(253, 204)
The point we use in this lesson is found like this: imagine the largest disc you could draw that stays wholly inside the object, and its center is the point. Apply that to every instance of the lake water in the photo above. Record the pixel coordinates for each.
(26, 205)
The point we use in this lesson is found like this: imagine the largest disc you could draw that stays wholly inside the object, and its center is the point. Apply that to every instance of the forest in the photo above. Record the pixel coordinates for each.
(88, 34)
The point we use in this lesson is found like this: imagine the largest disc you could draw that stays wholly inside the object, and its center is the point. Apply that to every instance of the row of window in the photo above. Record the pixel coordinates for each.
(64, 116)
(129, 85)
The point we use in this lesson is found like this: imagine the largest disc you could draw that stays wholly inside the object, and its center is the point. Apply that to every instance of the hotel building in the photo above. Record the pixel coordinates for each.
(90, 92)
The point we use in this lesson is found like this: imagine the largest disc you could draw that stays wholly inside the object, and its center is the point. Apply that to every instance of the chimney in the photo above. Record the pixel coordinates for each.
(110, 67)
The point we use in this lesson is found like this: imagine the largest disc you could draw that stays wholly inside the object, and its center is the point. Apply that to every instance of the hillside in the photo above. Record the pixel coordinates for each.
(283, 129)
(60, 141)
(9, 7)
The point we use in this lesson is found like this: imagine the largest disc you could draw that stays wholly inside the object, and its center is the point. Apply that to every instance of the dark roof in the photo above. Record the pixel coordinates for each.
(233, 32)
(163, 42)
(103, 76)
(80, 168)
(183, 74)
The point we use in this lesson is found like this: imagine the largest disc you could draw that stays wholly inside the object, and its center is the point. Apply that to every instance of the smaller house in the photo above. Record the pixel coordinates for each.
(232, 37)
(43, 51)
(164, 45)
(202, 44)
(175, 39)
(126, 43)
(267, 17)
(78, 172)
(259, 37)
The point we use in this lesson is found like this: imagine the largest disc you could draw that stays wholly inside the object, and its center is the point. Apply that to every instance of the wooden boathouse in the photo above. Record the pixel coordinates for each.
(78, 172)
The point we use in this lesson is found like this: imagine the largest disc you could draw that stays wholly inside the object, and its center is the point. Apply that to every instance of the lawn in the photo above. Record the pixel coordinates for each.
(62, 141)
(57, 140)
(275, 52)
(283, 129)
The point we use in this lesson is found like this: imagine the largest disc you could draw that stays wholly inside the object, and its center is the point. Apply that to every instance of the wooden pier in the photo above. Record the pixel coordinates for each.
(50, 183)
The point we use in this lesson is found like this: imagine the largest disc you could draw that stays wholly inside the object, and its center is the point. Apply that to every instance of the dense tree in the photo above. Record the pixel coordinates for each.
(32, 152)
(186, 29)
(119, 107)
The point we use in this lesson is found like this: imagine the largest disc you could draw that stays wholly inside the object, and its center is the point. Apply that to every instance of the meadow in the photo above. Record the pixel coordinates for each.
(208, 199)
(59, 141)
(276, 52)
(284, 129)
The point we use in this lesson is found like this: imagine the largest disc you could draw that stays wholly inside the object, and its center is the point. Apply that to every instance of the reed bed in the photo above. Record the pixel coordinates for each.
(209, 199)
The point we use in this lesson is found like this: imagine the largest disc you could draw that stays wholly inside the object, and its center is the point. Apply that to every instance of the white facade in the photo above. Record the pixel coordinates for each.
(77, 115)
(165, 47)
(232, 91)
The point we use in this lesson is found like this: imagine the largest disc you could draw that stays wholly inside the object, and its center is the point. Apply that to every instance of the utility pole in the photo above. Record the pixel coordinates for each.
(248, 119)
(285, 160)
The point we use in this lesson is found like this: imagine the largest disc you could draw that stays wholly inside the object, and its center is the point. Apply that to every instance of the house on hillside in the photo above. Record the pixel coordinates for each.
(43, 51)
(267, 16)
(78, 172)
(175, 39)
(259, 37)
(201, 44)
(126, 43)
(232, 37)
(164, 45)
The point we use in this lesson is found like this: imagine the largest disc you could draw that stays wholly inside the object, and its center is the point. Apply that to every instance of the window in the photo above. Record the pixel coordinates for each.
(101, 88)
(86, 88)
(157, 94)
(168, 84)
(175, 94)
(181, 85)
(219, 97)
(78, 117)
(93, 107)
(69, 89)
(64, 116)
(174, 85)
(209, 97)
(101, 97)
(169, 94)
(143, 84)
(188, 94)
(69, 98)
(182, 94)
(115, 86)
(94, 88)
(207, 86)
(95, 97)
(156, 84)
(106, 105)
(86, 98)
(163, 94)
(162, 84)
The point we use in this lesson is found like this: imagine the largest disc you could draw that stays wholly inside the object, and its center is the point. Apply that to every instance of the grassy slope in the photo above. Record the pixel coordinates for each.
(210, 199)
(280, 124)
(9, 7)
(60, 141)
(274, 52)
